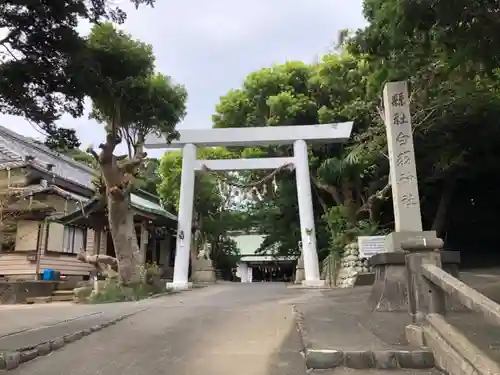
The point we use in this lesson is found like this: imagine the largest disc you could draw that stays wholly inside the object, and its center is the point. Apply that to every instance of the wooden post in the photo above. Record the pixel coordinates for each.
(97, 242)
(144, 241)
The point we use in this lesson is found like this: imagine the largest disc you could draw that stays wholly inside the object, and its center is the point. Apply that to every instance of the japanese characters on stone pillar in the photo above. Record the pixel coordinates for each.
(403, 174)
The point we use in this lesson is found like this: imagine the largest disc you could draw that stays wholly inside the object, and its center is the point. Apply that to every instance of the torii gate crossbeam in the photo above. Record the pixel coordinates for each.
(256, 136)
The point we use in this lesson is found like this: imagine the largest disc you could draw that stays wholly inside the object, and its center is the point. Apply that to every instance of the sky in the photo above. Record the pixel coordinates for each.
(211, 46)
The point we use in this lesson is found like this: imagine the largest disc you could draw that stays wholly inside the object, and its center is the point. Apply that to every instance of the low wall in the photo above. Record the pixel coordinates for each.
(12, 292)
(389, 291)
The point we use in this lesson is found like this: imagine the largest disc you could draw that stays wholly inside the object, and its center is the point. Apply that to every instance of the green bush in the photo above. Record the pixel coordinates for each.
(343, 231)
(112, 291)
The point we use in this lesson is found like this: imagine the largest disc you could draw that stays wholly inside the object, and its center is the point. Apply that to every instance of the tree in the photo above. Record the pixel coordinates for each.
(214, 212)
(445, 54)
(61, 139)
(296, 94)
(41, 54)
(464, 35)
(132, 101)
(453, 75)
(149, 179)
(271, 96)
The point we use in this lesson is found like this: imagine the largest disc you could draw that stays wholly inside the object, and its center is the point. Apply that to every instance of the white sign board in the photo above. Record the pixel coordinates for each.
(250, 274)
(371, 245)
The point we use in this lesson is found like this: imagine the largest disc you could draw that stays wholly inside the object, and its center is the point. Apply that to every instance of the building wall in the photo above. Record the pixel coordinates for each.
(14, 264)
(47, 237)
(66, 265)
(17, 178)
(248, 243)
(27, 235)
(17, 264)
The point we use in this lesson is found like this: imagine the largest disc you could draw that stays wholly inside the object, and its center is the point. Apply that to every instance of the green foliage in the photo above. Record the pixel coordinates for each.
(61, 139)
(463, 34)
(127, 94)
(448, 58)
(150, 272)
(215, 213)
(149, 177)
(295, 94)
(44, 80)
(82, 157)
(207, 198)
(112, 291)
(343, 232)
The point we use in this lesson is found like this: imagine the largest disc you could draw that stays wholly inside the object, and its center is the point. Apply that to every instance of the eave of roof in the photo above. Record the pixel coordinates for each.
(95, 204)
(267, 258)
(26, 191)
(12, 156)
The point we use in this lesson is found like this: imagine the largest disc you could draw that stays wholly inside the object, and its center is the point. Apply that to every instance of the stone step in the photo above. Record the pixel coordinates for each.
(32, 300)
(62, 292)
(62, 298)
(66, 285)
(62, 295)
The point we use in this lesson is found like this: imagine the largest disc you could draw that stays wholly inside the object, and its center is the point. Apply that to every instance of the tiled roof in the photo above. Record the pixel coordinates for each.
(14, 148)
(6, 164)
(144, 204)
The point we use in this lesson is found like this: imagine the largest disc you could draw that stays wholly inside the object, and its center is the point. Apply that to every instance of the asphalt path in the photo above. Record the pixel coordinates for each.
(220, 330)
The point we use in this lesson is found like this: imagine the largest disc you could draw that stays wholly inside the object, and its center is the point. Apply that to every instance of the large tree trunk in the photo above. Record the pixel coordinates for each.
(128, 253)
(350, 204)
(118, 180)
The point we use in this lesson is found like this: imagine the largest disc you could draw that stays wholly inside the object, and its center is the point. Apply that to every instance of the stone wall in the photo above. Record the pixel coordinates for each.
(17, 291)
(350, 266)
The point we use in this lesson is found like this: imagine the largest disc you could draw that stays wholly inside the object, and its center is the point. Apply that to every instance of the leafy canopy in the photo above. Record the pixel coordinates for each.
(128, 95)
(41, 55)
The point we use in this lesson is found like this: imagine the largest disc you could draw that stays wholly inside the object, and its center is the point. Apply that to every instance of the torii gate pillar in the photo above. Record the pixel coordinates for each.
(258, 136)
(185, 218)
(306, 214)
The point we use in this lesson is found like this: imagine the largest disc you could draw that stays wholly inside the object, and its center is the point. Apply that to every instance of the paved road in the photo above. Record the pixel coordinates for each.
(220, 330)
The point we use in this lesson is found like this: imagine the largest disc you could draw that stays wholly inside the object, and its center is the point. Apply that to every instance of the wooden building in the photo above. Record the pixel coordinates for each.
(48, 214)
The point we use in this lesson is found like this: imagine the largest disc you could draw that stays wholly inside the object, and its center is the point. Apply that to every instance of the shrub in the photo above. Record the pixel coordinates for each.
(112, 291)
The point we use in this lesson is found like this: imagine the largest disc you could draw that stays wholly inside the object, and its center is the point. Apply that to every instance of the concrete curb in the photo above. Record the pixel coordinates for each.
(326, 359)
(11, 360)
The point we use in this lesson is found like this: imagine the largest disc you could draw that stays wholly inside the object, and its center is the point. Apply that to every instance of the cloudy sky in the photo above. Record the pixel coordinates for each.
(210, 46)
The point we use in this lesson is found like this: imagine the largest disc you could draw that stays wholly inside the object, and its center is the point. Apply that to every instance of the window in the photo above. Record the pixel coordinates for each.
(74, 240)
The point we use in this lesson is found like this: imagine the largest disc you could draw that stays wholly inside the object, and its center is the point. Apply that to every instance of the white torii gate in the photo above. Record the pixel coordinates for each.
(256, 136)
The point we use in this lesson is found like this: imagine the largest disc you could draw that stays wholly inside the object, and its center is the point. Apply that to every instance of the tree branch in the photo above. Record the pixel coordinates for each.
(121, 157)
(378, 196)
(330, 189)
(91, 151)
(108, 265)
(320, 199)
(130, 165)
